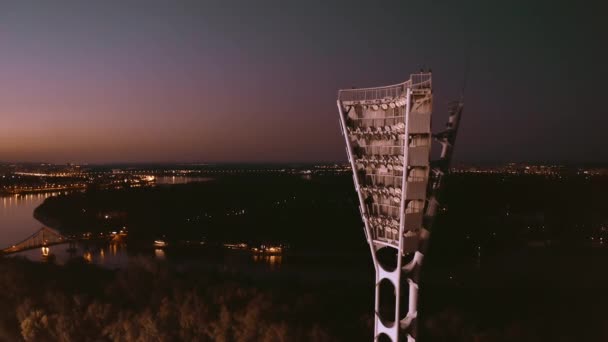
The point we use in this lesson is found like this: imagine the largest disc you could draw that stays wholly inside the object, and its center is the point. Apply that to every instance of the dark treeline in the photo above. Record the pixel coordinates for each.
(503, 213)
(496, 212)
(281, 208)
(150, 301)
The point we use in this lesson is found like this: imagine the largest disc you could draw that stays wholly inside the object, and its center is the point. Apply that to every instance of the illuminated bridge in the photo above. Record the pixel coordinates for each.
(388, 138)
(44, 237)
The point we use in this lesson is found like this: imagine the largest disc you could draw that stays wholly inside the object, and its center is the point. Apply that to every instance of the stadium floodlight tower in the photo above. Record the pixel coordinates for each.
(388, 142)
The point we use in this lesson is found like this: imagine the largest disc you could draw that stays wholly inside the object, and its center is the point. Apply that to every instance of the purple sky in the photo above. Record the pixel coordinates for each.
(256, 81)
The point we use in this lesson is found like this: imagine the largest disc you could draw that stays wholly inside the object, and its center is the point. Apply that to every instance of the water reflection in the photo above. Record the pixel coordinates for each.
(9, 201)
(88, 257)
(17, 222)
(181, 180)
(115, 256)
(16, 216)
(274, 261)
(159, 254)
(110, 255)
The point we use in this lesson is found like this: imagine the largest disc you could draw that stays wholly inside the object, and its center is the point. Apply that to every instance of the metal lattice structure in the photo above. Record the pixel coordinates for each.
(388, 140)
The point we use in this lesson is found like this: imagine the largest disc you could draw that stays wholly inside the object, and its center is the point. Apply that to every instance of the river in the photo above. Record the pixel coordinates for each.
(16, 219)
(17, 223)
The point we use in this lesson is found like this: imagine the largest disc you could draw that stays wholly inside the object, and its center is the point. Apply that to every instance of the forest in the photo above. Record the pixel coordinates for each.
(485, 277)
(154, 301)
(147, 301)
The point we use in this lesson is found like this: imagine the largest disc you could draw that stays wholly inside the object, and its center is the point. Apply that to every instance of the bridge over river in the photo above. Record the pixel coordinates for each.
(43, 237)
(46, 237)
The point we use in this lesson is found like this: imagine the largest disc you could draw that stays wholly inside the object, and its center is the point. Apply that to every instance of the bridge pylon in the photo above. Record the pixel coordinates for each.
(44, 237)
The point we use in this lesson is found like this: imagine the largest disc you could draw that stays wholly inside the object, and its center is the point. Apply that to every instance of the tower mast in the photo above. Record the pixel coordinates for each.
(388, 138)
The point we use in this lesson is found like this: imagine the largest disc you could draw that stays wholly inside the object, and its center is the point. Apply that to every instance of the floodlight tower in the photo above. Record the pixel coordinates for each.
(388, 141)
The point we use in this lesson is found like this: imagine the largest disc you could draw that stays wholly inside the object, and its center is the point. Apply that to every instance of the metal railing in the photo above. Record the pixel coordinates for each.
(416, 81)
(382, 150)
(384, 180)
(378, 122)
(380, 118)
(421, 81)
(385, 210)
(389, 234)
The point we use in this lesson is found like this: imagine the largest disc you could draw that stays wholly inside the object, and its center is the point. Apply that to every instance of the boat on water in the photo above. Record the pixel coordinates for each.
(268, 249)
(160, 243)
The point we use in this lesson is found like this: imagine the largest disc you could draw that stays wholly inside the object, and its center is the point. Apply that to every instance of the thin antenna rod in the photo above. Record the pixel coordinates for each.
(467, 59)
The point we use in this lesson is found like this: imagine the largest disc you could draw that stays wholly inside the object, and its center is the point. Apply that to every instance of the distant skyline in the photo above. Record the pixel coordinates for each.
(256, 81)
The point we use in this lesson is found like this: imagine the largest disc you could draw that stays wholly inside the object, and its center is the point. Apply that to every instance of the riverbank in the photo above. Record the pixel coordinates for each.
(41, 191)
(232, 210)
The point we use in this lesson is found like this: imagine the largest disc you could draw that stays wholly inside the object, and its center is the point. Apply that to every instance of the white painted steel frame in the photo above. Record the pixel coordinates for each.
(394, 94)
(392, 330)
(349, 151)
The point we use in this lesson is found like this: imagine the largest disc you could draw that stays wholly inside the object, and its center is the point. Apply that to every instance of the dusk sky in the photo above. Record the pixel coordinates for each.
(256, 81)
